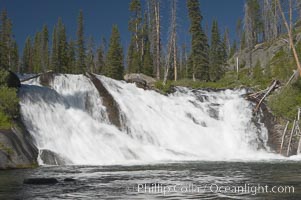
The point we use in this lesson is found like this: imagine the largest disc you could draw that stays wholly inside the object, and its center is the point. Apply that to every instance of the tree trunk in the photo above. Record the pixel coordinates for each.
(289, 31)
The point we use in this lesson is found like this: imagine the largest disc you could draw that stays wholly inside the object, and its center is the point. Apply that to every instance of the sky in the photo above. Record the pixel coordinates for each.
(28, 17)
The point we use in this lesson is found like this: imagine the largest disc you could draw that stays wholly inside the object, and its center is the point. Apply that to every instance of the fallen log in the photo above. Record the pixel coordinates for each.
(290, 140)
(274, 85)
(283, 136)
(35, 76)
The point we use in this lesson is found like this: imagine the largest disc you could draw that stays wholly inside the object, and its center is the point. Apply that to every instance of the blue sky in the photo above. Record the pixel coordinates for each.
(28, 16)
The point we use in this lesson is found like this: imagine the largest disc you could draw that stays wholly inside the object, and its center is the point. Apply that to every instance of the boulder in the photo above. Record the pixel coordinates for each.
(108, 101)
(69, 180)
(40, 181)
(17, 149)
(13, 80)
(51, 158)
(47, 78)
(141, 80)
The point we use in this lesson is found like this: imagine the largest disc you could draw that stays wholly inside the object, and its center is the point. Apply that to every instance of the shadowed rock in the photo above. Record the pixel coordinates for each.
(51, 158)
(141, 80)
(17, 149)
(69, 180)
(108, 101)
(40, 181)
(13, 80)
(46, 78)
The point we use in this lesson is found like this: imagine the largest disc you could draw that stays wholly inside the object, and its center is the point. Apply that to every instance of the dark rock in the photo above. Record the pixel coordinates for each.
(13, 80)
(273, 125)
(47, 78)
(17, 149)
(108, 101)
(40, 181)
(51, 158)
(69, 180)
(141, 80)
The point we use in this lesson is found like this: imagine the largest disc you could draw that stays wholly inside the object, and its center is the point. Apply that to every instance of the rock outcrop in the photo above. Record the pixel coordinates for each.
(13, 80)
(51, 158)
(47, 78)
(17, 149)
(141, 80)
(108, 101)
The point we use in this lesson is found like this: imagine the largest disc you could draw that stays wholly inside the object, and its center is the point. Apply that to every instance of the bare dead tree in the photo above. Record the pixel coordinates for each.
(270, 20)
(227, 41)
(249, 31)
(174, 38)
(172, 44)
(153, 7)
(290, 36)
(157, 39)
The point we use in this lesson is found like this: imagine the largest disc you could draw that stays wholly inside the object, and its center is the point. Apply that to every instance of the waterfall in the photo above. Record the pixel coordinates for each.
(70, 119)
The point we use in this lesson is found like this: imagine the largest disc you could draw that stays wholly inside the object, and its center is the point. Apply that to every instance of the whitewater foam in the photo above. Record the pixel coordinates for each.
(69, 119)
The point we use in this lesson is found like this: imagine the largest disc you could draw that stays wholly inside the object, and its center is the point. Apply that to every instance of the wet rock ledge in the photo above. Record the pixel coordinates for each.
(17, 149)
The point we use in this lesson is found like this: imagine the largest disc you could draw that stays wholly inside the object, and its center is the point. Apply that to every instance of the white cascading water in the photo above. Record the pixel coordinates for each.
(69, 119)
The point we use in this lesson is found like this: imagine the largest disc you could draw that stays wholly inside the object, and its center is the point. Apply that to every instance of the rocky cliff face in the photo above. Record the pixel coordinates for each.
(263, 52)
(17, 149)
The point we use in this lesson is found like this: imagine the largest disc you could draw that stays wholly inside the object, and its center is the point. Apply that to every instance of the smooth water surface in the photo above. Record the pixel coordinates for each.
(189, 180)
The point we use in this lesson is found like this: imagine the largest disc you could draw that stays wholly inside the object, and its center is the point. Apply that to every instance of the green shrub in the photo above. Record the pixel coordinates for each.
(5, 122)
(3, 77)
(286, 102)
(9, 102)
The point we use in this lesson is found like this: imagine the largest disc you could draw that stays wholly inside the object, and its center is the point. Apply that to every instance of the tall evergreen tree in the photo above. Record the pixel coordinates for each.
(26, 59)
(15, 57)
(36, 53)
(71, 56)
(6, 41)
(90, 62)
(115, 56)
(100, 62)
(62, 50)
(45, 48)
(198, 59)
(54, 53)
(147, 57)
(233, 49)
(217, 54)
(81, 56)
(135, 53)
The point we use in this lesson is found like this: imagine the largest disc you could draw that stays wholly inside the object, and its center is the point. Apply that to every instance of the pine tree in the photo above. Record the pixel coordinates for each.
(81, 56)
(15, 57)
(26, 59)
(198, 59)
(36, 53)
(54, 53)
(217, 54)
(62, 50)
(233, 49)
(115, 56)
(90, 63)
(45, 48)
(135, 53)
(100, 63)
(6, 41)
(71, 57)
(155, 39)
(253, 22)
(147, 57)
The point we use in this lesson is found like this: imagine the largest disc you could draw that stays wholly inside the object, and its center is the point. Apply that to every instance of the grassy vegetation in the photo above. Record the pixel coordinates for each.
(9, 102)
(286, 102)
(230, 80)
